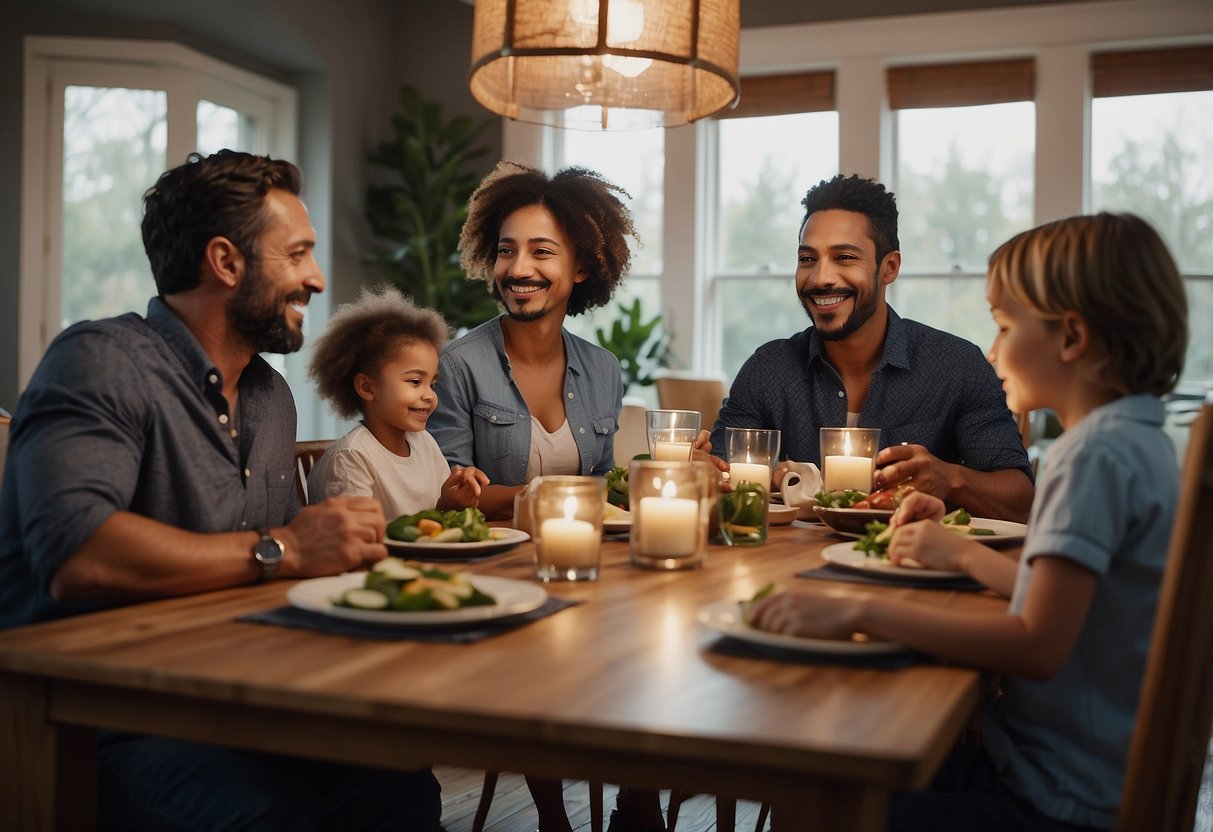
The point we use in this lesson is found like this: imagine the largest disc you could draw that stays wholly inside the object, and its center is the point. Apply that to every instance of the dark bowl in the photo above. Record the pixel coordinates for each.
(851, 520)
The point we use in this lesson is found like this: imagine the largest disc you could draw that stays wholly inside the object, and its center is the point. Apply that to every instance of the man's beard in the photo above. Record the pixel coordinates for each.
(528, 314)
(861, 313)
(259, 317)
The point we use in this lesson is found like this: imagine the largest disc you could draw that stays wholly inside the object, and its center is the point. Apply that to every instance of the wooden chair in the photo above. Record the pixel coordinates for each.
(306, 454)
(1167, 755)
(490, 786)
(675, 392)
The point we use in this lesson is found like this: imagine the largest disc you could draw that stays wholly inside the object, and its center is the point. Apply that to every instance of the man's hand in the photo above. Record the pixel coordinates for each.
(340, 534)
(899, 463)
(462, 488)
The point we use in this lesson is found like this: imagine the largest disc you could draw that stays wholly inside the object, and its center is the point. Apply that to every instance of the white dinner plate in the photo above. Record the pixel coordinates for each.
(725, 617)
(1005, 531)
(513, 597)
(502, 538)
(848, 557)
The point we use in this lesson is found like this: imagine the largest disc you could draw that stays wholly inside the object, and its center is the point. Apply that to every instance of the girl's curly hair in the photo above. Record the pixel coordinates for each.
(363, 336)
(585, 207)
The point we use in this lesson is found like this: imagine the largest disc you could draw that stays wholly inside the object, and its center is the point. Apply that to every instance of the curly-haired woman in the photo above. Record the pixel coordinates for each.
(521, 397)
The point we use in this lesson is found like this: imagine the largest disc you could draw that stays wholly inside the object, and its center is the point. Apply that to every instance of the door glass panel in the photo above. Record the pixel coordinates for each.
(113, 150)
(222, 128)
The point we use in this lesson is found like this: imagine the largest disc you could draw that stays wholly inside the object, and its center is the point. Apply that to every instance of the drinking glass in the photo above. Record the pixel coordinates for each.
(753, 454)
(672, 434)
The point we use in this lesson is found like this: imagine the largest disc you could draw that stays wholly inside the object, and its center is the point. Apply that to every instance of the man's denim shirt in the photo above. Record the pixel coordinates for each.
(483, 420)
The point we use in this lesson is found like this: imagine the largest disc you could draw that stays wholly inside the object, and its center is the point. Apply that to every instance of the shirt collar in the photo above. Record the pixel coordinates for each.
(164, 321)
(896, 343)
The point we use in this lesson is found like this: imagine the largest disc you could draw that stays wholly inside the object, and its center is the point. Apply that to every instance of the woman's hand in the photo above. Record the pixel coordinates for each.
(702, 449)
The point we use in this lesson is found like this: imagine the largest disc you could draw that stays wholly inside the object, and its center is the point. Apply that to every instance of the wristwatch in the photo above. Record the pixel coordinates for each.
(268, 552)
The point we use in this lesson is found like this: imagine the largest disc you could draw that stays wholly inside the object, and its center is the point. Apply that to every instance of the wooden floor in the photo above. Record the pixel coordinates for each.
(513, 811)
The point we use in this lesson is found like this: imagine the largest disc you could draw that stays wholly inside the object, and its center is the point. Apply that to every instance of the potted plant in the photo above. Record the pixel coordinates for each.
(642, 347)
(420, 211)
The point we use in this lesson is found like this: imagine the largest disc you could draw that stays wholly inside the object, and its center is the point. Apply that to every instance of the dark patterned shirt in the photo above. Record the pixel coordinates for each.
(931, 388)
(128, 414)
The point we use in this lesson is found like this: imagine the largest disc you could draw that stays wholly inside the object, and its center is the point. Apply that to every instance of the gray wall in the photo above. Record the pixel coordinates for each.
(347, 60)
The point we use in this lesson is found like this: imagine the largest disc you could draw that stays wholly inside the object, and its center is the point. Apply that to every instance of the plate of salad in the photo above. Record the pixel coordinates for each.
(396, 591)
(451, 534)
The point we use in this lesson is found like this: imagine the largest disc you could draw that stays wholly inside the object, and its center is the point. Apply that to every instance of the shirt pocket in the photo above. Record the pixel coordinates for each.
(604, 427)
(279, 485)
(493, 429)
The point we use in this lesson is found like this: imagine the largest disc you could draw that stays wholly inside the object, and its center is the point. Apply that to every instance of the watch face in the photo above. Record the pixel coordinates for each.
(268, 550)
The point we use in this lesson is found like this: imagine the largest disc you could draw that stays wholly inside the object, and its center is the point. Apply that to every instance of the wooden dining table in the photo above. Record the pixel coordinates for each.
(625, 687)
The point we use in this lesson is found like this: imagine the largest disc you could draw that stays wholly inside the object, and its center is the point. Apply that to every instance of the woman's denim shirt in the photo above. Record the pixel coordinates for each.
(483, 420)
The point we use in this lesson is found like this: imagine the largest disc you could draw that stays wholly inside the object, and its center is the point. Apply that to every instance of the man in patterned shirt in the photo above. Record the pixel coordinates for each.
(938, 403)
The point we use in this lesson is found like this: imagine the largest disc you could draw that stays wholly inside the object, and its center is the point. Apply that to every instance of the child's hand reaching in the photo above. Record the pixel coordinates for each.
(462, 488)
(927, 543)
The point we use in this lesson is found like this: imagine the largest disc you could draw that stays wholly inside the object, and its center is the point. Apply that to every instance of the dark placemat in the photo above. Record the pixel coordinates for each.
(830, 572)
(729, 646)
(464, 633)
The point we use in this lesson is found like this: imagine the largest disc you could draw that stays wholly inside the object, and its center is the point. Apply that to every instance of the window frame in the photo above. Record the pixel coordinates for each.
(1059, 37)
(52, 64)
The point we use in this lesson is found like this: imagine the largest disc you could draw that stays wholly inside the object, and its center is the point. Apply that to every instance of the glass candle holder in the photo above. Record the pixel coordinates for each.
(672, 433)
(566, 525)
(670, 504)
(848, 458)
(753, 454)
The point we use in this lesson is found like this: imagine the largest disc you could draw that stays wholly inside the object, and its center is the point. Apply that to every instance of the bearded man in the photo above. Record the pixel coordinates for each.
(154, 456)
(940, 407)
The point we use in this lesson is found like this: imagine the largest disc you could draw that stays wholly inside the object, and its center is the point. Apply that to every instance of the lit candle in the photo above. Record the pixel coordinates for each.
(568, 543)
(671, 451)
(843, 472)
(754, 472)
(668, 525)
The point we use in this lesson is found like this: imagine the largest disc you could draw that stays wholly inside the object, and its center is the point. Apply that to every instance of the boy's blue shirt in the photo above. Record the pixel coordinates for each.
(1105, 500)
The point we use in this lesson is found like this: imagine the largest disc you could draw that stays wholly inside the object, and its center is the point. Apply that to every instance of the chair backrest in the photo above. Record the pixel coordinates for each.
(306, 454)
(1167, 755)
(5, 419)
(686, 393)
(632, 437)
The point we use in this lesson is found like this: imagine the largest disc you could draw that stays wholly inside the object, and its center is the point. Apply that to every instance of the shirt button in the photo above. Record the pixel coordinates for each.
(212, 378)
(233, 432)
(841, 394)
(247, 473)
(570, 394)
(581, 431)
(494, 418)
(223, 418)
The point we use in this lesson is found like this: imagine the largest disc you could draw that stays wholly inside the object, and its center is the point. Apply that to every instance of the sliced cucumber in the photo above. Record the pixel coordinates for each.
(365, 599)
(396, 569)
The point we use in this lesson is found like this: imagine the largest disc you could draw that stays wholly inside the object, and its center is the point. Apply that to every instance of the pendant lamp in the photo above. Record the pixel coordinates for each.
(605, 64)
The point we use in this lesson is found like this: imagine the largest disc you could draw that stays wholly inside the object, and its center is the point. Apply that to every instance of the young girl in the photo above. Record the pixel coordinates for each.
(1092, 322)
(379, 358)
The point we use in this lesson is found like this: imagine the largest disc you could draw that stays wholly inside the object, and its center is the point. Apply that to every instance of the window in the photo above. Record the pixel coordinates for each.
(765, 166)
(964, 184)
(103, 119)
(782, 139)
(1150, 141)
(635, 161)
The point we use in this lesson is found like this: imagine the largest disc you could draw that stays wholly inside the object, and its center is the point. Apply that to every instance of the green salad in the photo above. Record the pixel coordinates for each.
(839, 499)
(396, 585)
(465, 525)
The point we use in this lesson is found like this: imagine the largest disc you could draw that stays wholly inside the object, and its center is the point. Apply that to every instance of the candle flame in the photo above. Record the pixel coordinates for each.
(570, 507)
(669, 490)
(846, 444)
